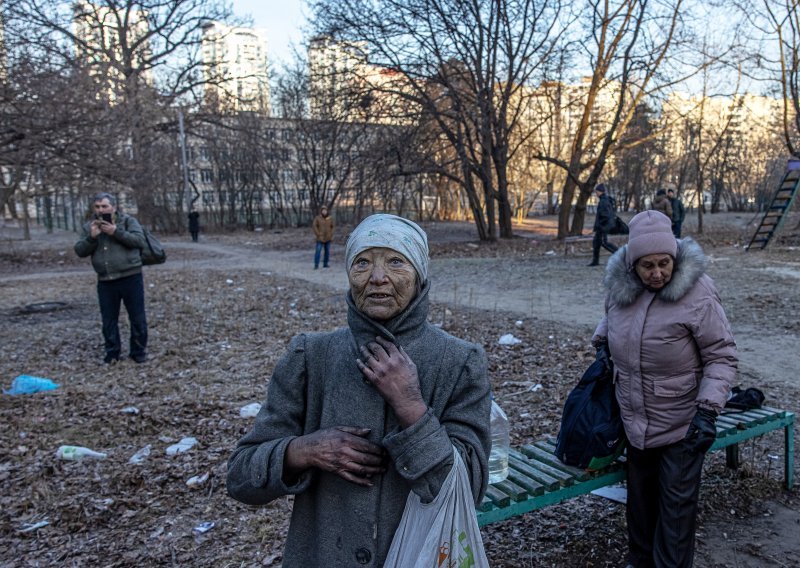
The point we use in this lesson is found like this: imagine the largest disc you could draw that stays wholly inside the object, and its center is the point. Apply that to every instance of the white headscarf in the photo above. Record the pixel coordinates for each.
(390, 231)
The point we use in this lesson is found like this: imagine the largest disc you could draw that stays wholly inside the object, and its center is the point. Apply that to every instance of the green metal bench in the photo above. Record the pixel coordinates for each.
(537, 479)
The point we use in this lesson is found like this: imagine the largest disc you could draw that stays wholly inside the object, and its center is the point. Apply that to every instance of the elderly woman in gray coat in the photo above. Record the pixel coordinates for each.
(358, 417)
(674, 362)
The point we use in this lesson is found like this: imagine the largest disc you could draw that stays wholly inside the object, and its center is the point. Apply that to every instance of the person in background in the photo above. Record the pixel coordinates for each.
(674, 362)
(194, 224)
(323, 231)
(678, 213)
(356, 418)
(114, 241)
(603, 222)
(661, 204)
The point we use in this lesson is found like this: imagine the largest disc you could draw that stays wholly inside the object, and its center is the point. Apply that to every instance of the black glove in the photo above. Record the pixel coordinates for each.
(702, 430)
(602, 354)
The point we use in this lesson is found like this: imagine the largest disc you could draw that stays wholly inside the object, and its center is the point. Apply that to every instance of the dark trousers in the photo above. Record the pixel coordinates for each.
(663, 486)
(676, 229)
(601, 240)
(320, 246)
(194, 234)
(130, 291)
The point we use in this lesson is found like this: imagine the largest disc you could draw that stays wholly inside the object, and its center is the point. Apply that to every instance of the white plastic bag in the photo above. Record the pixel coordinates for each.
(441, 533)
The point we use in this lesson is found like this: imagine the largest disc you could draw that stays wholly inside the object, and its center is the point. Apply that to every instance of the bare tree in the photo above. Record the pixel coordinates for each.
(780, 22)
(628, 45)
(328, 147)
(636, 168)
(136, 59)
(463, 66)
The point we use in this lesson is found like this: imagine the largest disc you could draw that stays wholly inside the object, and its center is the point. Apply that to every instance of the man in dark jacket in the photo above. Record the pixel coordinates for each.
(678, 214)
(194, 224)
(603, 222)
(114, 241)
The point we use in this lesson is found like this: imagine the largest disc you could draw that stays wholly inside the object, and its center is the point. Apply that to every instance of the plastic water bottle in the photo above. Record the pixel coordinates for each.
(498, 458)
(74, 453)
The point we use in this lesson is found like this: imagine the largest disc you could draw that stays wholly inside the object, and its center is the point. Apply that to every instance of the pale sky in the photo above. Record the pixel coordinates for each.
(283, 20)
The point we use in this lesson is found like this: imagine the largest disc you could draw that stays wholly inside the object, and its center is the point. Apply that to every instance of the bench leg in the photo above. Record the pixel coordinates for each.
(788, 465)
(732, 456)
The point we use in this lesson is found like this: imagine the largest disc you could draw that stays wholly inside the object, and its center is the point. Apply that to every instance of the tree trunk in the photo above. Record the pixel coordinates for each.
(26, 221)
(567, 194)
(700, 203)
(551, 208)
(580, 212)
(491, 224)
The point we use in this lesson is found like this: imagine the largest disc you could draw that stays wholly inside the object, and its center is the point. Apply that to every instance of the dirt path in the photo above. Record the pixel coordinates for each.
(561, 288)
(758, 289)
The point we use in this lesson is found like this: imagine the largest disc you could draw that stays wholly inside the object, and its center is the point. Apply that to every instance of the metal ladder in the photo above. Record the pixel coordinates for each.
(780, 205)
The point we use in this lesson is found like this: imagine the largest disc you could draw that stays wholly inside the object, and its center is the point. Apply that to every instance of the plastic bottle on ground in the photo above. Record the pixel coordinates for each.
(498, 458)
(74, 453)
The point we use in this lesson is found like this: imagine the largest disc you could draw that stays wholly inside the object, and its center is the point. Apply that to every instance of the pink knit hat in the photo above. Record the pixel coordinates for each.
(651, 233)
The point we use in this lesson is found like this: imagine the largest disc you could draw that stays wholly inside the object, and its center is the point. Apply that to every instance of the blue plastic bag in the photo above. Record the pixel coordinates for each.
(25, 384)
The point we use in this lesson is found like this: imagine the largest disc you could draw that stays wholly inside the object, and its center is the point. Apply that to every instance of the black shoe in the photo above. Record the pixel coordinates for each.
(109, 360)
(139, 358)
(593, 264)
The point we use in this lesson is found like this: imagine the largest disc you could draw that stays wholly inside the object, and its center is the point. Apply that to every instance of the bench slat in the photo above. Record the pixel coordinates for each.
(510, 488)
(549, 483)
(730, 423)
(547, 445)
(534, 451)
(749, 416)
(581, 474)
(768, 413)
(497, 497)
(533, 487)
(544, 466)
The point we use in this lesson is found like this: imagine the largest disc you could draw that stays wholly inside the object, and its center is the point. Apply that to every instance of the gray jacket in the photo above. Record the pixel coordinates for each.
(317, 385)
(672, 349)
(115, 256)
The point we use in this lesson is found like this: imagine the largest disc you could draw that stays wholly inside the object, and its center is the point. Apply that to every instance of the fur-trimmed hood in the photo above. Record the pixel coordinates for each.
(624, 285)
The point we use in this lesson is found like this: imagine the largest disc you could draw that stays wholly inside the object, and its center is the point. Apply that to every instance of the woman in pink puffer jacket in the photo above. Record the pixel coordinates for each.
(674, 362)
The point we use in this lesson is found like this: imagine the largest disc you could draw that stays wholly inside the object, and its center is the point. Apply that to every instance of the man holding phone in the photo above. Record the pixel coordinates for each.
(114, 241)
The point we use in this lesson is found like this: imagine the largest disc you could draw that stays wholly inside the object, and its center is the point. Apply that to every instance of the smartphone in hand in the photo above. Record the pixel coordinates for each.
(106, 218)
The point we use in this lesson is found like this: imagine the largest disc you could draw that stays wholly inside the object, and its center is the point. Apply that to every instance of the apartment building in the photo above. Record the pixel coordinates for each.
(744, 117)
(235, 67)
(111, 43)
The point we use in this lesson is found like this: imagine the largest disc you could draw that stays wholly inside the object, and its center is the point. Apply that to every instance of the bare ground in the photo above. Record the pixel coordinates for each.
(221, 312)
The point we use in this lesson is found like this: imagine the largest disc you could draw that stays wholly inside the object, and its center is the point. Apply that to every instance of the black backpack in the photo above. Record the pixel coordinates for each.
(619, 227)
(747, 399)
(591, 434)
(153, 252)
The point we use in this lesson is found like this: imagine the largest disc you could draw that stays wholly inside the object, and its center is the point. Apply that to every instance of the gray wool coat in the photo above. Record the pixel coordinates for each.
(317, 385)
(672, 349)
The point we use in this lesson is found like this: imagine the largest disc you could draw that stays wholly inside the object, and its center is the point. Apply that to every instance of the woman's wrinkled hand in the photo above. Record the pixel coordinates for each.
(343, 450)
(394, 374)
